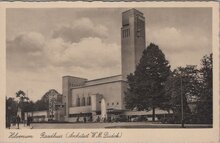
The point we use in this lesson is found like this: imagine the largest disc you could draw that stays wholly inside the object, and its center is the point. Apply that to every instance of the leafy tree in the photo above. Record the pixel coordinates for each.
(205, 103)
(41, 104)
(11, 105)
(11, 110)
(146, 86)
(29, 106)
(22, 99)
(184, 81)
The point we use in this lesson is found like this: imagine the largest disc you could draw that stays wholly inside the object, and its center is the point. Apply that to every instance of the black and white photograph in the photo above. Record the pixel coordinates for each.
(131, 67)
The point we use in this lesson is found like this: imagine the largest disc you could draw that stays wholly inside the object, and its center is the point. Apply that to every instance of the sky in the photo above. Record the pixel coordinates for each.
(42, 45)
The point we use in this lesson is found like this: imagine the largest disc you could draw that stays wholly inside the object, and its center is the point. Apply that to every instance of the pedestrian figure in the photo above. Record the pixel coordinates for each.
(98, 119)
(77, 119)
(18, 119)
(84, 119)
(90, 119)
(28, 120)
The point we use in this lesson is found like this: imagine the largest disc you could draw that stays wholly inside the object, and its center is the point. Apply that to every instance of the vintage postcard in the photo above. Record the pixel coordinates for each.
(109, 72)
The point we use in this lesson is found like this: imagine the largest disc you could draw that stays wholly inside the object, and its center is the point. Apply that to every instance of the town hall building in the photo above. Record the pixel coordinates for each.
(104, 97)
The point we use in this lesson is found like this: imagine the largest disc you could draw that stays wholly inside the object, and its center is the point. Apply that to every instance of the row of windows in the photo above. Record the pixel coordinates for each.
(82, 102)
(80, 115)
(113, 103)
(126, 33)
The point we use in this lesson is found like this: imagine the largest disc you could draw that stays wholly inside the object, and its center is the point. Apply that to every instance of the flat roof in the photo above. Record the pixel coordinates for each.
(95, 84)
(104, 78)
(73, 76)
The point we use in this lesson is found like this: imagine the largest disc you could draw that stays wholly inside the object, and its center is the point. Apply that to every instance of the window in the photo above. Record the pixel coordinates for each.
(83, 101)
(78, 101)
(107, 104)
(125, 33)
(89, 100)
(112, 103)
(117, 103)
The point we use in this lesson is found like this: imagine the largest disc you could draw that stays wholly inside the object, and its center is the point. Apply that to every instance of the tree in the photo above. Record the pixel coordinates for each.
(22, 99)
(29, 106)
(146, 85)
(205, 102)
(11, 105)
(184, 81)
(11, 110)
(41, 104)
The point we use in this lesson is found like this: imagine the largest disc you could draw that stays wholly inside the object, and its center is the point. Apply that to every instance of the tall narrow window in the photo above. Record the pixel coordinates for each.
(124, 33)
(128, 32)
(78, 101)
(83, 101)
(89, 100)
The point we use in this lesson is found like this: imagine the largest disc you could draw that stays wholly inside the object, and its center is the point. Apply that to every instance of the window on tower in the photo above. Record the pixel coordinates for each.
(126, 33)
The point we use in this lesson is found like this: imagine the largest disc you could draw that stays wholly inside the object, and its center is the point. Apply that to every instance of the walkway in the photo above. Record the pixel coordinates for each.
(21, 126)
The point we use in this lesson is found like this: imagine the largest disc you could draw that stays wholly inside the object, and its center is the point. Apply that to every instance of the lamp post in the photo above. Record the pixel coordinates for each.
(181, 94)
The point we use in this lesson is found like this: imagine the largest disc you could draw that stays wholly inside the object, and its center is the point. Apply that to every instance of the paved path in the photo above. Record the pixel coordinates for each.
(21, 126)
(113, 125)
(106, 125)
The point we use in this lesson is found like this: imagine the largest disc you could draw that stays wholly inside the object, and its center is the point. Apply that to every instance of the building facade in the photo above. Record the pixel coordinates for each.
(104, 98)
(92, 98)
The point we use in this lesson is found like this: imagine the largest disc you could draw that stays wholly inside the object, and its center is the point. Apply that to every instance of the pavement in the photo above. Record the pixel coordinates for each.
(21, 126)
(113, 125)
(106, 125)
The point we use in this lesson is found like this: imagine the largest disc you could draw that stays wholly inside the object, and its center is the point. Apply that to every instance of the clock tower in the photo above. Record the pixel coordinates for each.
(132, 40)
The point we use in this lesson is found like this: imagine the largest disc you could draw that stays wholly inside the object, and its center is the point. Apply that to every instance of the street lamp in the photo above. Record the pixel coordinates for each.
(181, 93)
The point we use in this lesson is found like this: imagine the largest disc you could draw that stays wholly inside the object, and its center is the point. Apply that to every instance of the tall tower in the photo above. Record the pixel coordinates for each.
(132, 40)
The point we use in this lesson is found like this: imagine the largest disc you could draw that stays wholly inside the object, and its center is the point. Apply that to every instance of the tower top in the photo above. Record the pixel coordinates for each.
(132, 11)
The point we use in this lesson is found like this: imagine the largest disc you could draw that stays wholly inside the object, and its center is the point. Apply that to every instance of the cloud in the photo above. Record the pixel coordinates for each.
(25, 51)
(180, 46)
(81, 28)
(175, 40)
(30, 51)
(89, 52)
(29, 42)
